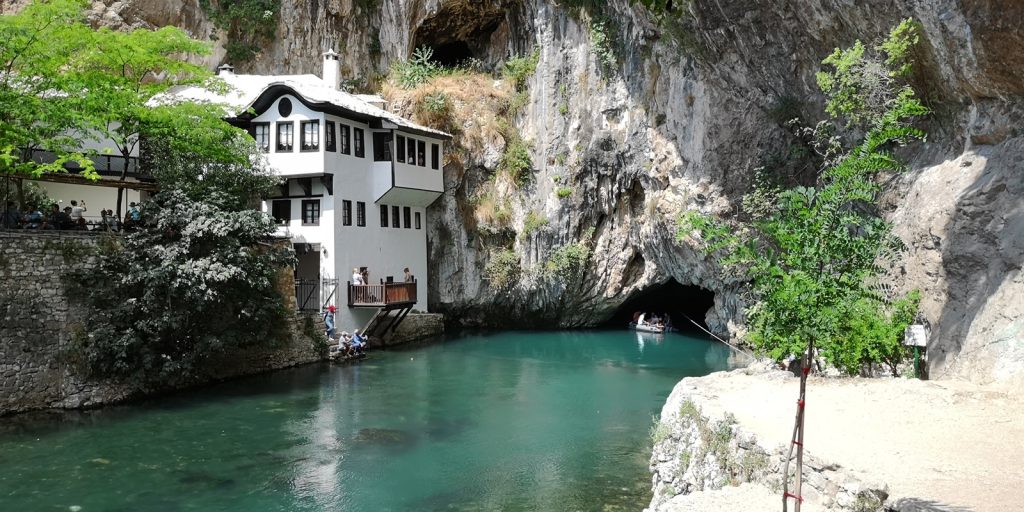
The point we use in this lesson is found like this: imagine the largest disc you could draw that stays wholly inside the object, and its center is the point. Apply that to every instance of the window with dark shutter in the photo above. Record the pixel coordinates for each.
(357, 141)
(346, 139)
(410, 155)
(407, 217)
(400, 148)
(421, 153)
(396, 217)
(435, 156)
(360, 214)
(346, 212)
(281, 209)
(330, 143)
(383, 216)
(381, 146)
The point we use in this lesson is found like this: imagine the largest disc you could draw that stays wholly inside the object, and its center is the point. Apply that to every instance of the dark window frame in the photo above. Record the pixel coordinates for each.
(314, 212)
(419, 224)
(345, 138)
(400, 148)
(255, 136)
(396, 217)
(361, 214)
(312, 145)
(291, 137)
(330, 141)
(282, 204)
(421, 153)
(407, 217)
(346, 212)
(359, 142)
(435, 156)
(383, 215)
(382, 146)
(410, 152)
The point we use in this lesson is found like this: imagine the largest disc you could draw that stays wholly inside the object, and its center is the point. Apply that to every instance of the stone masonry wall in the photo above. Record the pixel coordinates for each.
(37, 324)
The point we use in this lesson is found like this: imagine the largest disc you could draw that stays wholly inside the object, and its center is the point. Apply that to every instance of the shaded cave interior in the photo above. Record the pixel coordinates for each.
(679, 301)
(460, 32)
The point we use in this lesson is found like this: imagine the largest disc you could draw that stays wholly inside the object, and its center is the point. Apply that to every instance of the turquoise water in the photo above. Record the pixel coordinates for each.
(511, 421)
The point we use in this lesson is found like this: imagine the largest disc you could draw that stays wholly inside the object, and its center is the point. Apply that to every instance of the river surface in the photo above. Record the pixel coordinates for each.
(509, 421)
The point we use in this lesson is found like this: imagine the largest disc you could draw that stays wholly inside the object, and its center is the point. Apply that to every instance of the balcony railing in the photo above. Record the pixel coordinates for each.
(105, 165)
(381, 295)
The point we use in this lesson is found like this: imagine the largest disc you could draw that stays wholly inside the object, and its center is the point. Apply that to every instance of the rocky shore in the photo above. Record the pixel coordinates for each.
(872, 444)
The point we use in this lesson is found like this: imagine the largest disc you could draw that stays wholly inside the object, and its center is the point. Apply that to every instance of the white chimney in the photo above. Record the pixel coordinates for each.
(226, 69)
(332, 69)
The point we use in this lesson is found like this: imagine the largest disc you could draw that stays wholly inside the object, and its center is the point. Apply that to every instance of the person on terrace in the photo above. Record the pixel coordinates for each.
(357, 278)
(329, 321)
(408, 276)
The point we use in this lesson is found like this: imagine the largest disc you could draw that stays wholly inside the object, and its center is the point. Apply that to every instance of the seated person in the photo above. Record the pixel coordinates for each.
(358, 342)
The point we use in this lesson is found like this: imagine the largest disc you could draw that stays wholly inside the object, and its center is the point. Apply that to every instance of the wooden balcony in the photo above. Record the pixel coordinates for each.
(382, 295)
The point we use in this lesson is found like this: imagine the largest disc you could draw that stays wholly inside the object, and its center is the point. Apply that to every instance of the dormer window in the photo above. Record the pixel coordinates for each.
(261, 133)
(285, 136)
(311, 135)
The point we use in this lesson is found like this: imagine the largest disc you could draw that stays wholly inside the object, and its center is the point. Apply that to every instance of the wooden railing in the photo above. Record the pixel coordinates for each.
(383, 294)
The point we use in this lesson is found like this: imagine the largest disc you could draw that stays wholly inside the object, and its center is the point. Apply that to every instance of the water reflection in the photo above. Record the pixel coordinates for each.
(509, 421)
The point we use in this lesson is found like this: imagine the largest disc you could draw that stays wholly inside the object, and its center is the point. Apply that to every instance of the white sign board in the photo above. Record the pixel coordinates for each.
(915, 336)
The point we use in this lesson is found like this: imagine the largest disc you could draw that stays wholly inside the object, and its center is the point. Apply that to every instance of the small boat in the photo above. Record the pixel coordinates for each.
(646, 327)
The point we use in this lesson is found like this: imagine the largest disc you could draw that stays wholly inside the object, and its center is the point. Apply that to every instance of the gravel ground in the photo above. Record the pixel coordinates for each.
(939, 445)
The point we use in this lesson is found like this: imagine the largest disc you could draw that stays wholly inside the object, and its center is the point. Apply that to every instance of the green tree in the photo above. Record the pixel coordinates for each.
(196, 283)
(40, 101)
(815, 255)
(66, 83)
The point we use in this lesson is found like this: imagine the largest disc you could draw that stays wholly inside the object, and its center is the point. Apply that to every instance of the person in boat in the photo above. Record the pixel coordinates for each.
(640, 319)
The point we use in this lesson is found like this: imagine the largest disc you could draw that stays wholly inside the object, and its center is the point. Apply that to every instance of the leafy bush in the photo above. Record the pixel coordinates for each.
(569, 261)
(435, 110)
(197, 281)
(503, 269)
(811, 252)
(564, 192)
(248, 23)
(516, 162)
(416, 71)
(519, 69)
(602, 42)
(533, 222)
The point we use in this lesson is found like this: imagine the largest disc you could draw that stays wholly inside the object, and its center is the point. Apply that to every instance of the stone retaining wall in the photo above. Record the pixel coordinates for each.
(37, 325)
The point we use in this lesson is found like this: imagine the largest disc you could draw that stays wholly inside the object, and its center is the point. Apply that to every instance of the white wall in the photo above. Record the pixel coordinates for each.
(295, 162)
(96, 198)
(386, 251)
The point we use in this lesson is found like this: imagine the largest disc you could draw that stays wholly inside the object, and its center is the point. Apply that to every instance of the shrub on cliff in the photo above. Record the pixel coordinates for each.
(815, 255)
(197, 281)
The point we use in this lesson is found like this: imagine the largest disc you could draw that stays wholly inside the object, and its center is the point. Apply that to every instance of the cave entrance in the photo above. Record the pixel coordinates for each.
(677, 300)
(452, 54)
(460, 31)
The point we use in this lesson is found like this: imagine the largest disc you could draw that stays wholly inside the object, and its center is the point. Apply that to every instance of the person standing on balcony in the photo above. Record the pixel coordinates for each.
(408, 276)
(357, 278)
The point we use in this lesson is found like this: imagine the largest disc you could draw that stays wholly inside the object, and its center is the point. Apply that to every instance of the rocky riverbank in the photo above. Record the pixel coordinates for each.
(872, 444)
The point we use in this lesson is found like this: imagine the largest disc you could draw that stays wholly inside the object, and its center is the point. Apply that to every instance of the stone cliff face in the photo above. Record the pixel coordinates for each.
(632, 121)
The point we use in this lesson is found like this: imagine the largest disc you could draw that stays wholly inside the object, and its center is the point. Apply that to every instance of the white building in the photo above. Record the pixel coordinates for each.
(358, 181)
